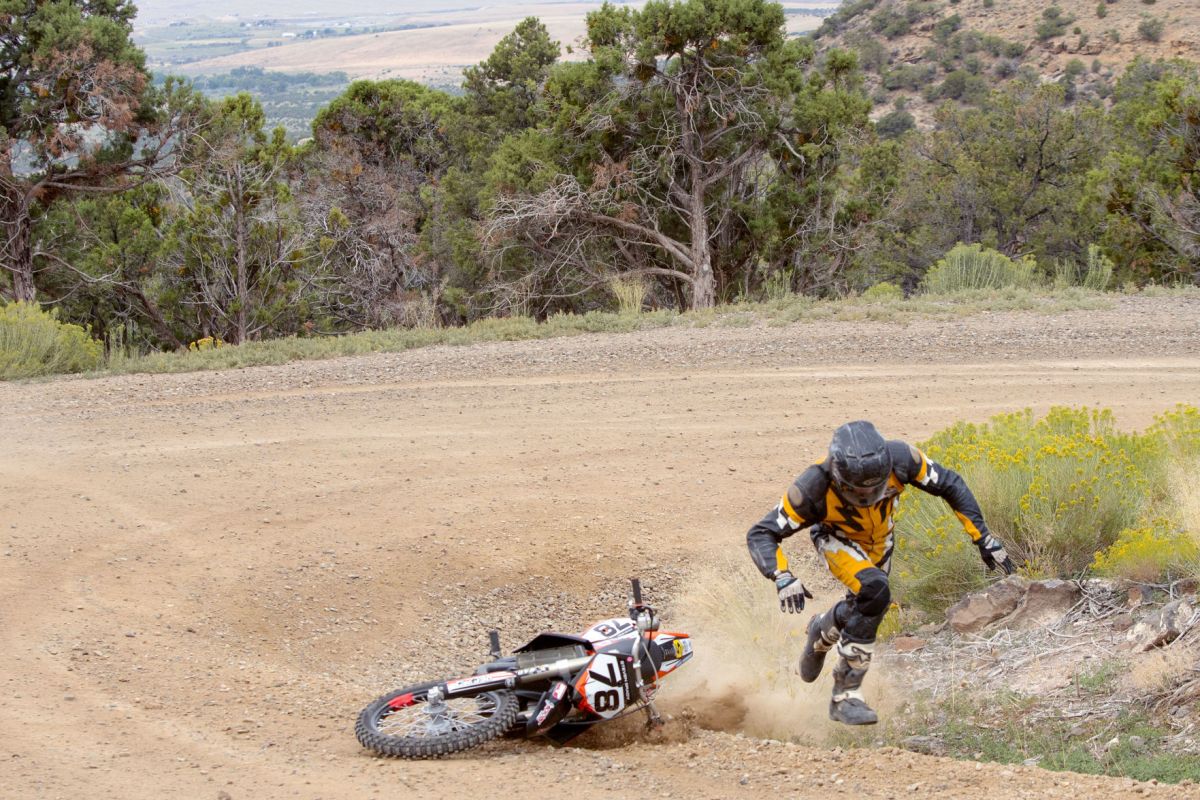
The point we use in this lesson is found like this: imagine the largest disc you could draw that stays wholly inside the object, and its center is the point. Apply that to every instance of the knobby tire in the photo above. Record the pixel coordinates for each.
(367, 729)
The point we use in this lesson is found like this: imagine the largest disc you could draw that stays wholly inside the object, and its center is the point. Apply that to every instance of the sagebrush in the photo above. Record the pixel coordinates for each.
(1068, 493)
(34, 342)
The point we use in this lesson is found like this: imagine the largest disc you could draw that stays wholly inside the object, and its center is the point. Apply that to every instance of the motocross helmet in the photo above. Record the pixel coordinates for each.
(859, 463)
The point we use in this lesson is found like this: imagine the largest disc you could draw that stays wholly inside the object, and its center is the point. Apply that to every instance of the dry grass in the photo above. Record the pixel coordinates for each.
(1158, 672)
(1185, 489)
(794, 309)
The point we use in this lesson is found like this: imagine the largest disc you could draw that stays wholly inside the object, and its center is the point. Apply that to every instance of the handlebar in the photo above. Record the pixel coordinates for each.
(637, 592)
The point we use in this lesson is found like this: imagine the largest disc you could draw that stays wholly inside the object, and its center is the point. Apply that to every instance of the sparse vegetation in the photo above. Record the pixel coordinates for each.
(1002, 727)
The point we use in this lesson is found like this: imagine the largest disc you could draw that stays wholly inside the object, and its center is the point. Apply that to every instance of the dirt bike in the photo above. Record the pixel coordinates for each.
(557, 685)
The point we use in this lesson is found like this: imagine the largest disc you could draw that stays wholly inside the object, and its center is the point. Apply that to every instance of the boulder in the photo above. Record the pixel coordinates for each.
(978, 610)
(1161, 628)
(1044, 603)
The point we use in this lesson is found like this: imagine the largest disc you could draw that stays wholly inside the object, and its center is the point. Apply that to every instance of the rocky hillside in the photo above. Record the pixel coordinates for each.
(918, 53)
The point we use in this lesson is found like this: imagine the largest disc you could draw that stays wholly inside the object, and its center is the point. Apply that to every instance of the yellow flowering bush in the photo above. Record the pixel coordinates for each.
(1056, 490)
(1152, 552)
(207, 343)
(34, 342)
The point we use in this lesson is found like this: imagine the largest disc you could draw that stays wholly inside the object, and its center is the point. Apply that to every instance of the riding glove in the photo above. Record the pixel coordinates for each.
(791, 592)
(994, 555)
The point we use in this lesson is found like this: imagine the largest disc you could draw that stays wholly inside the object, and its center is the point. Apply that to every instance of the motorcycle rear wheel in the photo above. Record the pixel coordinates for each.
(405, 724)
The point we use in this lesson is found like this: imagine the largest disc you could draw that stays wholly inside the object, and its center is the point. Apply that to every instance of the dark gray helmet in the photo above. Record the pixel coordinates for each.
(860, 463)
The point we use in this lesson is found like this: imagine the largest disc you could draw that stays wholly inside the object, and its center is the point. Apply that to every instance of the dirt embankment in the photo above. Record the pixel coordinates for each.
(205, 576)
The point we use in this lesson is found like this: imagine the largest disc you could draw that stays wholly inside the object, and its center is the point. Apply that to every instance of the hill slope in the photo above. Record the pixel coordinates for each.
(929, 51)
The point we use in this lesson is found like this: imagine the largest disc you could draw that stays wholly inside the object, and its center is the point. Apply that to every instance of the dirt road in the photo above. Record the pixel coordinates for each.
(203, 577)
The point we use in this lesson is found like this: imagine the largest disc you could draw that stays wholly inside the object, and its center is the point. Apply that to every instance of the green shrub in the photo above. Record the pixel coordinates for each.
(946, 26)
(890, 24)
(1014, 50)
(1151, 29)
(1052, 23)
(953, 87)
(895, 124)
(33, 342)
(1066, 493)
(883, 292)
(909, 76)
(1102, 10)
(972, 266)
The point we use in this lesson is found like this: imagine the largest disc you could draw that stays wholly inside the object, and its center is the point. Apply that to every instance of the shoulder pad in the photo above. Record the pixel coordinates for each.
(907, 460)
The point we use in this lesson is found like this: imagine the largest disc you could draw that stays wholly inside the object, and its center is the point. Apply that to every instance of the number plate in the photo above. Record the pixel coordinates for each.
(607, 687)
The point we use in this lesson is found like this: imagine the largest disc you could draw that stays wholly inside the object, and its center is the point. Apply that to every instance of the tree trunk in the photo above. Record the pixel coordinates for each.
(17, 245)
(243, 291)
(704, 286)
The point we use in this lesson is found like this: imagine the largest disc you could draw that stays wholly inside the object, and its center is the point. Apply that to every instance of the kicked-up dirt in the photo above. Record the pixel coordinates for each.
(204, 577)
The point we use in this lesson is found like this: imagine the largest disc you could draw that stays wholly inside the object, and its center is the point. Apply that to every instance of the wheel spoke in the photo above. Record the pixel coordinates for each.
(457, 714)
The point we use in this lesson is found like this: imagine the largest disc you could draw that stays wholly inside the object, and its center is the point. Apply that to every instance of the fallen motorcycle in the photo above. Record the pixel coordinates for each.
(557, 685)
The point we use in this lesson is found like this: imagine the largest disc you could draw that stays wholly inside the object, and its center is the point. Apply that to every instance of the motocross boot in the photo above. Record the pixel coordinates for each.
(847, 705)
(823, 634)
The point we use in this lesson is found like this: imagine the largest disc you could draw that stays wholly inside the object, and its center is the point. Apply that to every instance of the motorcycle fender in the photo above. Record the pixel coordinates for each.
(550, 709)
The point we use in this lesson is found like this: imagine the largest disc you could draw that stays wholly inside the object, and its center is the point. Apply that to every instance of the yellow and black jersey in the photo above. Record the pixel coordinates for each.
(850, 537)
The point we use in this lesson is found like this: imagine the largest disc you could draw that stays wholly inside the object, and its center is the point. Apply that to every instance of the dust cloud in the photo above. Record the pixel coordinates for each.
(744, 676)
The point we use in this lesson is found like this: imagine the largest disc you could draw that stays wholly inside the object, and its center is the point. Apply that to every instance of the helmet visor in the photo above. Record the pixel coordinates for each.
(862, 494)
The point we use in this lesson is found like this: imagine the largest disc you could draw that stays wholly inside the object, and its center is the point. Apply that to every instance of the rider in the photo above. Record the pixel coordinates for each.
(846, 502)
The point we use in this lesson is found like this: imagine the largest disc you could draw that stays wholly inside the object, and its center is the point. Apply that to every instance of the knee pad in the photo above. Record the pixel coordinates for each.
(874, 595)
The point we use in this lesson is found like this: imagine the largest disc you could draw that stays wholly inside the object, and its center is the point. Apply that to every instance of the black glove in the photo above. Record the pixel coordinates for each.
(791, 593)
(994, 554)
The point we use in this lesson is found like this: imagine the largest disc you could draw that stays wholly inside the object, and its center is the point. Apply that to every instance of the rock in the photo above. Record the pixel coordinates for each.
(928, 745)
(1161, 628)
(978, 610)
(1045, 603)
(1122, 621)
(1100, 586)
(1137, 595)
(908, 644)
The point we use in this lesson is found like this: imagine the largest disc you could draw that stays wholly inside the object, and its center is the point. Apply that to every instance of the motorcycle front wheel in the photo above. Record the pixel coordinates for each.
(409, 723)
